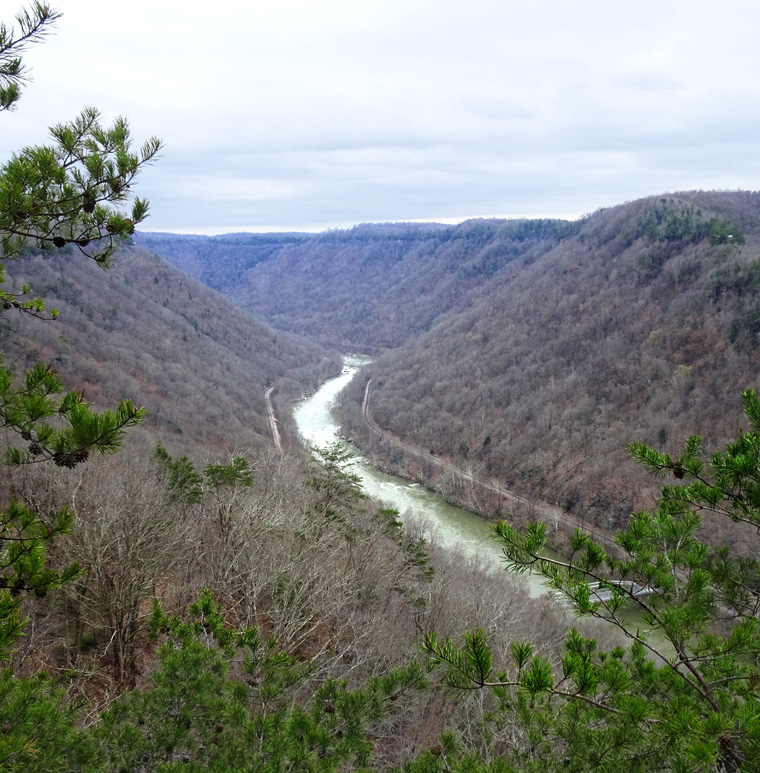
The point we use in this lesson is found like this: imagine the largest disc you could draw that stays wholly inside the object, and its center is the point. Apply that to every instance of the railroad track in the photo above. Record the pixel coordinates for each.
(544, 510)
(272, 418)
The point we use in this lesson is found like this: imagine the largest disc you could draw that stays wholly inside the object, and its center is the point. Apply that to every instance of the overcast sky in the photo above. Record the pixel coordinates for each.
(311, 114)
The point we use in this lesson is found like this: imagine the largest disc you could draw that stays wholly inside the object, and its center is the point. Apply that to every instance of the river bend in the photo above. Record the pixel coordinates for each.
(450, 526)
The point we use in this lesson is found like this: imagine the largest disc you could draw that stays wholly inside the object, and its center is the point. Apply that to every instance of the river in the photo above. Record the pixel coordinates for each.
(450, 526)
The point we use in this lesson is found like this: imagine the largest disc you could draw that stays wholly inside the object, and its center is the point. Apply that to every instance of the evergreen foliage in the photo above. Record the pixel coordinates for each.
(67, 193)
(338, 488)
(24, 538)
(62, 430)
(33, 26)
(40, 727)
(183, 482)
(224, 700)
(684, 696)
(54, 196)
(188, 486)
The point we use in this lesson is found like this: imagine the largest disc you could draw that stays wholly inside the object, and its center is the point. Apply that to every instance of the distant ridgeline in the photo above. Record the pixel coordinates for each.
(368, 288)
(529, 351)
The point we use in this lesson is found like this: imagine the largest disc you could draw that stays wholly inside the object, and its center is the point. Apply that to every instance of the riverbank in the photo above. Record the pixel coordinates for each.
(450, 526)
(486, 498)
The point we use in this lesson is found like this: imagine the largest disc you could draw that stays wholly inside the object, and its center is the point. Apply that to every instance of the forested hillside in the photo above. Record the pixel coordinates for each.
(218, 261)
(309, 655)
(145, 331)
(531, 352)
(641, 328)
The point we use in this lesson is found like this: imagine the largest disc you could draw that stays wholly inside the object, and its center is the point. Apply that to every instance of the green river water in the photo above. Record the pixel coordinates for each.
(450, 526)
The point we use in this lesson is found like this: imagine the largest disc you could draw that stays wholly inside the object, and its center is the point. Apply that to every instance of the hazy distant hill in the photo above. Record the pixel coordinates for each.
(218, 261)
(370, 288)
(146, 331)
(530, 351)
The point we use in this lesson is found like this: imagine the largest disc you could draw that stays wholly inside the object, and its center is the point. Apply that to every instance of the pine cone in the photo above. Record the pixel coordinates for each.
(72, 459)
(88, 202)
(59, 241)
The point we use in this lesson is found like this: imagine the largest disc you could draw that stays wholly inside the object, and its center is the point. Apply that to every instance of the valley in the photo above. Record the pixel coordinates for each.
(145, 331)
(471, 496)
(528, 353)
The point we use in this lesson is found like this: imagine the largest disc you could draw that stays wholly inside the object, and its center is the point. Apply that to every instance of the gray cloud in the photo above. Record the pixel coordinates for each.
(298, 114)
